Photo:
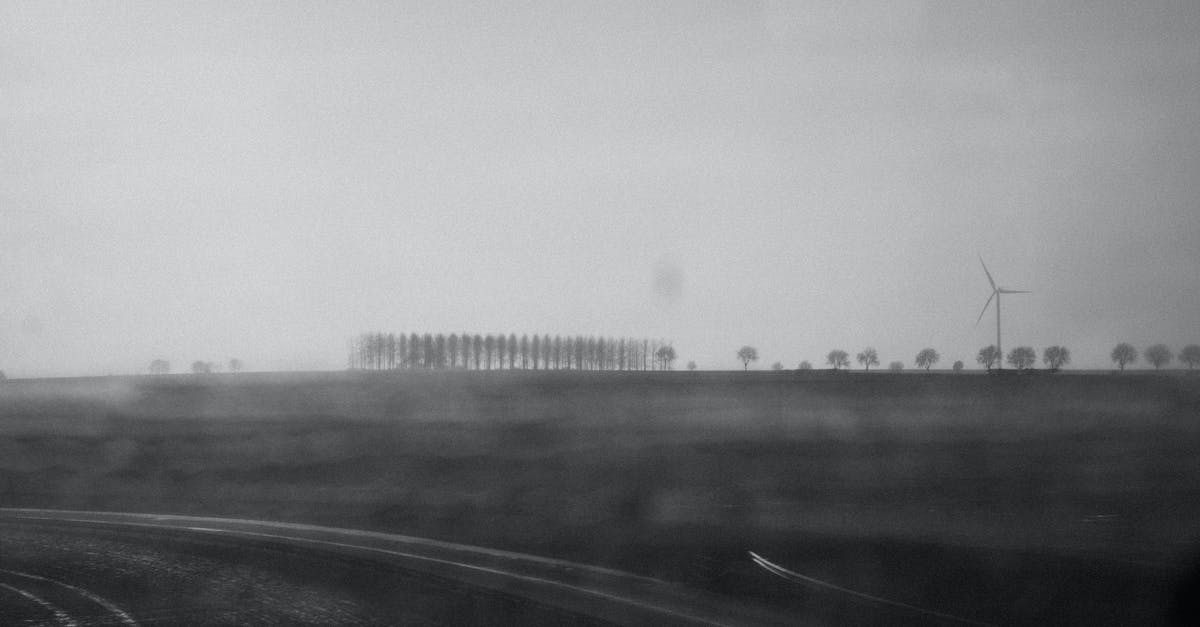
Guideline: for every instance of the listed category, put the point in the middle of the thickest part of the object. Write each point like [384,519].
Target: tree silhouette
[489,349]
[804,365]
[452,348]
[927,358]
[201,367]
[988,356]
[777,366]
[666,356]
[477,349]
[160,366]
[1124,354]
[958,366]
[1159,355]
[691,365]
[415,356]
[838,359]
[1055,357]
[896,366]
[525,351]
[235,365]
[1021,357]
[747,354]
[1190,355]
[868,358]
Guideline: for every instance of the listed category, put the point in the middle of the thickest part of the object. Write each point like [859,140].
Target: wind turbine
[996,292]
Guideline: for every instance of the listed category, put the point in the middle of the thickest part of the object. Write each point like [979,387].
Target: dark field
[1033,499]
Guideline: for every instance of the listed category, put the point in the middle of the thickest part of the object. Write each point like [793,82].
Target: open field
[1014,499]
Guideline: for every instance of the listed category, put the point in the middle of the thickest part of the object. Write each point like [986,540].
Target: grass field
[1009,499]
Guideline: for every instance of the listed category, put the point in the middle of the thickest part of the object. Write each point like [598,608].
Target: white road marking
[62,617]
[125,619]
[784,573]
[414,556]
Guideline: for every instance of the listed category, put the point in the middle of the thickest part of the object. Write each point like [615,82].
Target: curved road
[96,568]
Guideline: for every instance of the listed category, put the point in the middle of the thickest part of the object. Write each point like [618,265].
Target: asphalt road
[91,568]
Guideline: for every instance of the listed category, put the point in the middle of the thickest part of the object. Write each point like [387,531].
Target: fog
[263,181]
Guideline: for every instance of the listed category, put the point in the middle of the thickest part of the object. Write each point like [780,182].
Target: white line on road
[784,573]
[402,554]
[125,619]
[62,617]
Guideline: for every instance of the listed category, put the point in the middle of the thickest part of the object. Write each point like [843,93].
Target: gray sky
[205,181]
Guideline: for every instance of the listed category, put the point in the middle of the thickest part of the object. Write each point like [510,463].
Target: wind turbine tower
[996,292]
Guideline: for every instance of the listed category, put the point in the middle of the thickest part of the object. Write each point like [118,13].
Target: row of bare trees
[1158,355]
[395,351]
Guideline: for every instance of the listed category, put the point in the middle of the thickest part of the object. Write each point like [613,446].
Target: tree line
[428,351]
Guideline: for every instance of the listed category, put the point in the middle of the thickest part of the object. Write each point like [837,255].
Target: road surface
[93,568]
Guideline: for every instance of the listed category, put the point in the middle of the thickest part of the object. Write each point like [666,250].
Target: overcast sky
[262,181]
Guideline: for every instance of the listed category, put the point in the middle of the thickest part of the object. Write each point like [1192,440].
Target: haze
[263,181]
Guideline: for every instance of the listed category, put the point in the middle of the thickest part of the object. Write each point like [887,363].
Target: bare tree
[513,350]
[838,359]
[1159,355]
[489,349]
[1124,354]
[988,356]
[415,357]
[452,348]
[1190,355]
[927,358]
[477,349]
[868,358]
[1055,357]
[1021,357]
[235,365]
[525,351]
[958,366]
[747,354]
[535,350]
[666,356]
[805,365]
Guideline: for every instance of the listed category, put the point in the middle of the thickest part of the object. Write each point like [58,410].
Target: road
[96,568]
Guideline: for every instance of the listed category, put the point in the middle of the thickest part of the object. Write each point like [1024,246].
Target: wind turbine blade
[1004,291]
[989,274]
[985,306]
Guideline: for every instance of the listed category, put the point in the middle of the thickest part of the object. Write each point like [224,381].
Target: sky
[203,181]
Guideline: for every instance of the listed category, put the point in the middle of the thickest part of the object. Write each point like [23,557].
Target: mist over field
[544,313]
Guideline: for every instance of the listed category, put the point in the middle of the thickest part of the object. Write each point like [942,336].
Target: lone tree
[1021,357]
[201,367]
[691,365]
[958,366]
[988,356]
[896,366]
[838,359]
[1056,357]
[235,365]
[1124,354]
[1159,355]
[1190,355]
[777,366]
[804,365]
[868,358]
[747,354]
[927,358]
